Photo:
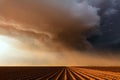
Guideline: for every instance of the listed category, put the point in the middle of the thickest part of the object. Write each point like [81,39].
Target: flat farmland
[59,73]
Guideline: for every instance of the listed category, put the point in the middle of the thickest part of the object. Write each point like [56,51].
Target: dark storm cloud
[109,25]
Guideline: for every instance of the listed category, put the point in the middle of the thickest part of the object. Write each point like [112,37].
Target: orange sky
[44,33]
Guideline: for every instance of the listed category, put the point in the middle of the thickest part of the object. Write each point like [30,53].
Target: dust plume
[68,22]
[49,32]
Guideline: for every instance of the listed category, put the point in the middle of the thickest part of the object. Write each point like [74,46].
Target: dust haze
[51,32]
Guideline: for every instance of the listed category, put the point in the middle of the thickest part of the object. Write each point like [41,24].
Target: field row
[57,73]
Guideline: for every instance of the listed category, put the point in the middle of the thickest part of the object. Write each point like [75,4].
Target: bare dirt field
[59,73]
